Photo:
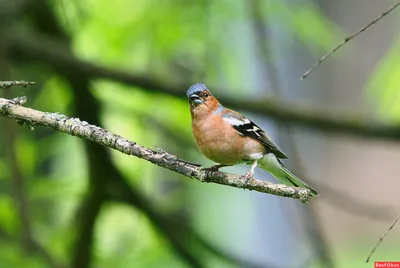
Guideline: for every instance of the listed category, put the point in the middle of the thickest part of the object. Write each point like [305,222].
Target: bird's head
[201,100]
[198,95]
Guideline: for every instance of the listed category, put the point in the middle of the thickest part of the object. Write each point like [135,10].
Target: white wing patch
[234,121]
[255,129]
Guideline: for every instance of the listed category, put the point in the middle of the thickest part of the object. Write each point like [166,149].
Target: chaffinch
[228,138]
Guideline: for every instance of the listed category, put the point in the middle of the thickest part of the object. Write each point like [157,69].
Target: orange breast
[221,143]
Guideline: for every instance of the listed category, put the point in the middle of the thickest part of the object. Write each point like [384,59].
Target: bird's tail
[272,164]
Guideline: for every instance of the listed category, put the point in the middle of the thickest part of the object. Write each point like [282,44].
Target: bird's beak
[195,99]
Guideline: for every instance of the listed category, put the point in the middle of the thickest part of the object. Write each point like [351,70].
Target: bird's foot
[213,169]
[248,177]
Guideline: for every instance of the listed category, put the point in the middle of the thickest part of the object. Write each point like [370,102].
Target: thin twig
[381,239]
[347,39]
[82,129]
[8,84]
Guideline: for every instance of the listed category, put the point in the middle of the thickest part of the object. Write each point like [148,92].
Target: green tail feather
[272,164]
[296,181]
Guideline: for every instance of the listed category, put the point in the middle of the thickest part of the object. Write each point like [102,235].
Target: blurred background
[125,65]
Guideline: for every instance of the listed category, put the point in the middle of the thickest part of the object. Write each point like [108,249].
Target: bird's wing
[247,128]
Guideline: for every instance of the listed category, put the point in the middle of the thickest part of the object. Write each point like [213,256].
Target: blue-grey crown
[196,88]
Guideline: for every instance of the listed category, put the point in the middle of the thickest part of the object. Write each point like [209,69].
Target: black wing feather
[251,130]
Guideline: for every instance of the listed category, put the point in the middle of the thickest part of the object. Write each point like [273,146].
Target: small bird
[228,138]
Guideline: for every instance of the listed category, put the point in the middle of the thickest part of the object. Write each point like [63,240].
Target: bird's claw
[248,177]
[214,168]
[211,169]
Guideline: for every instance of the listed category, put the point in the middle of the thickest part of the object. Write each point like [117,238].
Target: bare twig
[82,129]
[347,39]
[8,84]
[382,237]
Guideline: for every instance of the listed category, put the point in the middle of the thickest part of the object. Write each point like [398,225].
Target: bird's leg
[250,175]
[214,168]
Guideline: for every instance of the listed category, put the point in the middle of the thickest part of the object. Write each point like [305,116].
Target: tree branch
[42,48]
[82,129]
[332,196]
[7,84]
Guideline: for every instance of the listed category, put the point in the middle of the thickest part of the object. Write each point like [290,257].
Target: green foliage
[383,86]
[55,88]
[121,247]
[307,22]
[12,254]
[173,40]
[9,218]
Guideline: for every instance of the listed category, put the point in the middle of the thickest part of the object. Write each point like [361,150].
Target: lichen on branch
[75,127]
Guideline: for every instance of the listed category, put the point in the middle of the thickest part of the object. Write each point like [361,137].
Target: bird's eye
[205,95]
